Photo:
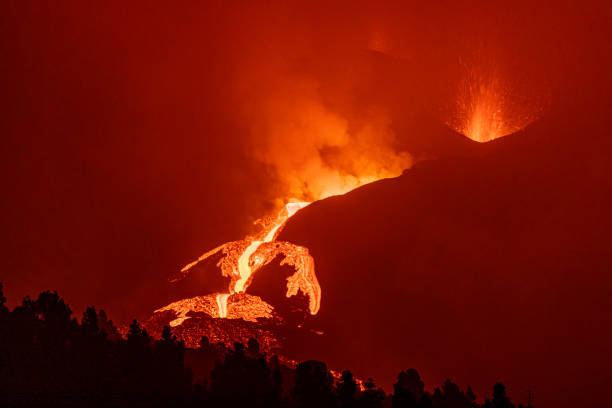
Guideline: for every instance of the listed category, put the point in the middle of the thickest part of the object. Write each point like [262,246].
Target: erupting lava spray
[488,106]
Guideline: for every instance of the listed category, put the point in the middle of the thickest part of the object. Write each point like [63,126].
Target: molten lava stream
[222,304]
[242,259]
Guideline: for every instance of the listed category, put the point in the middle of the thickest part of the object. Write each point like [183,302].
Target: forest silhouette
[49,359]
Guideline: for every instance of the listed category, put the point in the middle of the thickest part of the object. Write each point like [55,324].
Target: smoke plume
[315,150]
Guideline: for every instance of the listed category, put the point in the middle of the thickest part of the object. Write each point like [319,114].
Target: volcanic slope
[494,267]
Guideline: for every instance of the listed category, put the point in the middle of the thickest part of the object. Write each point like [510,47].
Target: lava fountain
[488,106]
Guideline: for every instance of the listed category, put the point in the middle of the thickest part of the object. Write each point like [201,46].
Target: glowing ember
[485,113]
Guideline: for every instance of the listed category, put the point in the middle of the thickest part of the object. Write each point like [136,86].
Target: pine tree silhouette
[408,389]
[3,309]
[347,390]
[244,380]
[500,400]
[314,385]
[371,397]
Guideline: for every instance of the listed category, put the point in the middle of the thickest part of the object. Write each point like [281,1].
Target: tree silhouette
[136,355]
[137,335]
[108,327]
[244,380]
[371,397]
[451,397]
[89,323]
[173,379]
[471,397]
[500,400]
[408,389]
[425,401]
[347,390]
[314,385]
[3,309]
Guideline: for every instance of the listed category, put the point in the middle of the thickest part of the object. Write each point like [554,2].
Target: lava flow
[241,260]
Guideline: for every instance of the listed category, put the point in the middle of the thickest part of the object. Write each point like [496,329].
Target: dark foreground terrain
[49,359]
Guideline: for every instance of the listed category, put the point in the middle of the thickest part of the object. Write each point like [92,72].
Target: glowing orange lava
[222,304]
[488,107]
[242,259]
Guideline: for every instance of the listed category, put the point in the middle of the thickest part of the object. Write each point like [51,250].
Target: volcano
[494,266]
[487,266]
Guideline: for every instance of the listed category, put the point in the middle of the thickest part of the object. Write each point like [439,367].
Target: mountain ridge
[497,260]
